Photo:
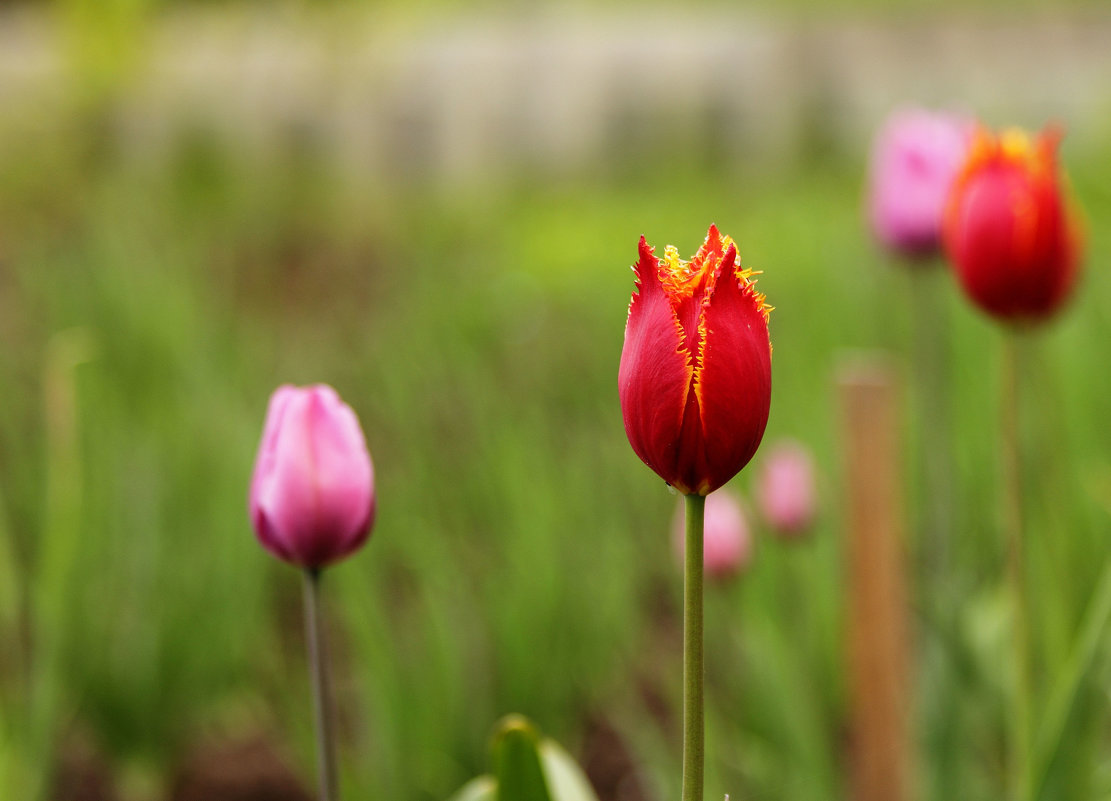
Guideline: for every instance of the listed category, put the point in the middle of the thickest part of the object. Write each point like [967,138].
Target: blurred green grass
[521,559]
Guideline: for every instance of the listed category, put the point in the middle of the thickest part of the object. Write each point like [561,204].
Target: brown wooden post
[878,660]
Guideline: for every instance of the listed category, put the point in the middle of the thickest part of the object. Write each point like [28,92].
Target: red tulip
[695,375]
[1009,231]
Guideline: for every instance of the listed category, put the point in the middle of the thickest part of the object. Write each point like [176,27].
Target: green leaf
[565,777]
[527,768]
[484,788]
[517,768]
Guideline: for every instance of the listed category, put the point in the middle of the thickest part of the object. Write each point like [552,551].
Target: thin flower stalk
[321,688]
[694,756]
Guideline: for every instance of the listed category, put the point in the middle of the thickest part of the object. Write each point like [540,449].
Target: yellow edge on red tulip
[678,274]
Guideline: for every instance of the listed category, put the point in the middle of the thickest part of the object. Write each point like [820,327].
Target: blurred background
[433,206]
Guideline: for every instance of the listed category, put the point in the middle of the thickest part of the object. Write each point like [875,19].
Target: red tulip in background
[1009,231]
[695,374]
[312,496]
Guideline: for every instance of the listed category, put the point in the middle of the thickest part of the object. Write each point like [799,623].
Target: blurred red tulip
[1009,231]
[695,374]
[312,498]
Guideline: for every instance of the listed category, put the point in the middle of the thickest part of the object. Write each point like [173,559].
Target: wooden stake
[877,589]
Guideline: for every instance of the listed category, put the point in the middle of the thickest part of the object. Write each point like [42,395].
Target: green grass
[521,560]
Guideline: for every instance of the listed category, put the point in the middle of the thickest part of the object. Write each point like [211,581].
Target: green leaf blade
[517,768]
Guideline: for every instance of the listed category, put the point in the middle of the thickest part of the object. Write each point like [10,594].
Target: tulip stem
[693,726]
[321,694]
[1021,733]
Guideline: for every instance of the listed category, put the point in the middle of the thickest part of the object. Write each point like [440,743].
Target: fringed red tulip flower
[695,384]
[1013,239]
[695,375]
[1009,231]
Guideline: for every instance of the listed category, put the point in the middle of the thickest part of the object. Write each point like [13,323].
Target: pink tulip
[726,541]
[785,488]
[915,159]
[312,494]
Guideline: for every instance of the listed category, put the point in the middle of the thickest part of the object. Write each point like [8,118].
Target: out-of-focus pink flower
[785,488]
[915,159]
[726,542]
[312,499]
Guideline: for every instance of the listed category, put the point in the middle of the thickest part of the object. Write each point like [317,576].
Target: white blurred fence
[463,97]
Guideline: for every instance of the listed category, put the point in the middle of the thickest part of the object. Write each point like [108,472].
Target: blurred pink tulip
[915,158]
[312,496]
[785,488]
[726,542]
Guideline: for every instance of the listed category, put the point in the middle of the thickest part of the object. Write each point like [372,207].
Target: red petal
[733,385]
[1010,243]
[1009,233]
[655,373]
[711,248]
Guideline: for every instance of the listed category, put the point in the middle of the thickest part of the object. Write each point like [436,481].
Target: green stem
[693,726]
[321,694]
[1021,739]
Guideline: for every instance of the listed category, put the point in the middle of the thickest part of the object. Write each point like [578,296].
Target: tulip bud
[695,374]
[785,488]
[915,159]
[1009,231]
[312,496]
[726,539]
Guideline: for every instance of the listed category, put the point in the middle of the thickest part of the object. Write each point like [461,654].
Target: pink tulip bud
[915,159]
[726,542]
[312,493]
[785,488]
